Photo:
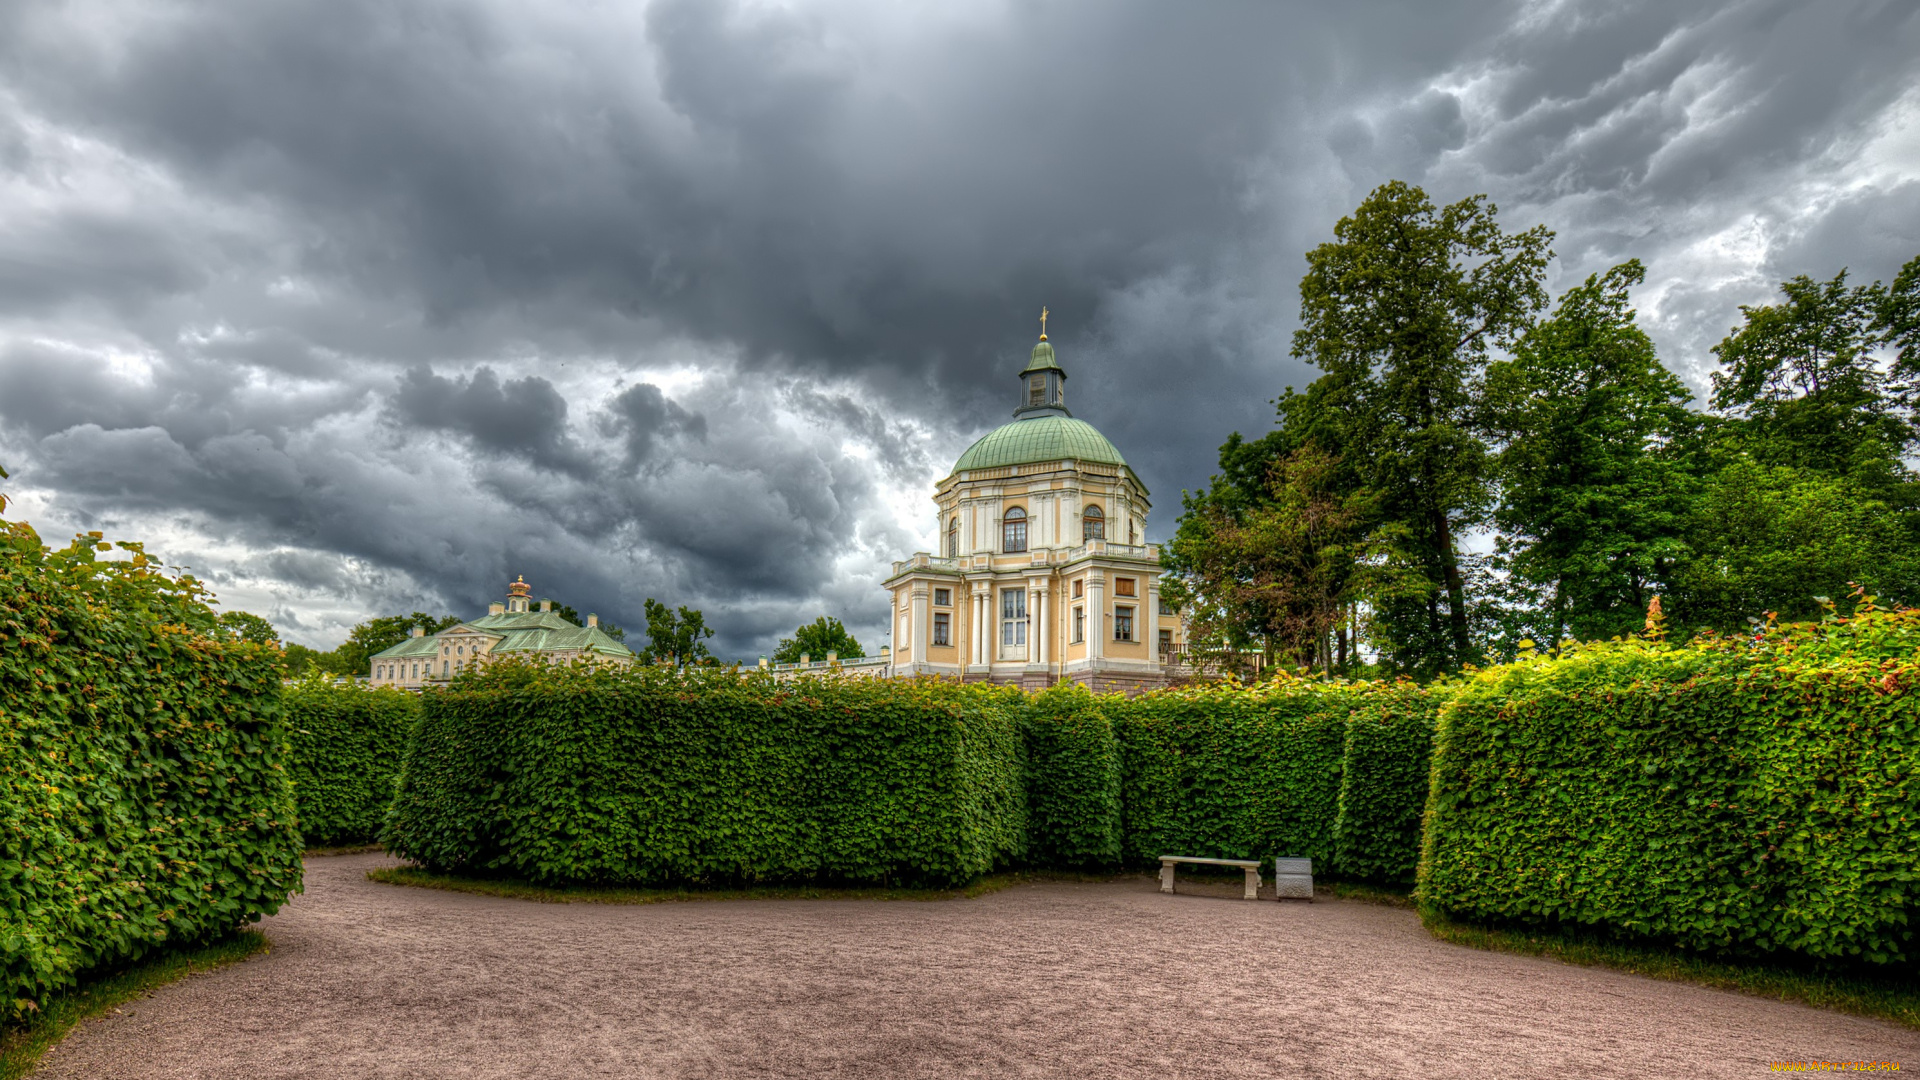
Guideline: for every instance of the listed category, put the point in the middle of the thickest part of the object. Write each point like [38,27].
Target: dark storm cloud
[520,416]
[643,417]
[689,299]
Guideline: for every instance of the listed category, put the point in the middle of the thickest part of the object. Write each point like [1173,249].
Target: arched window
[1013,531]
[1093,524]
[953,538]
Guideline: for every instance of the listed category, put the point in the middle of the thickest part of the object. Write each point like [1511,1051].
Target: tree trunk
[1456,589]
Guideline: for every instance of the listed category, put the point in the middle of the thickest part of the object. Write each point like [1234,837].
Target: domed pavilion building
[1044,572]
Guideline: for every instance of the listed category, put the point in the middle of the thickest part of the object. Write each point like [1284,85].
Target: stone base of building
[1129,683]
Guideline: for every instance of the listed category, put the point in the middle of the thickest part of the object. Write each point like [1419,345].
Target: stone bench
[1293,879]
[1251,866]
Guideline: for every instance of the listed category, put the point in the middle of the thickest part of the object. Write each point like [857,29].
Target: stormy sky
[366,307]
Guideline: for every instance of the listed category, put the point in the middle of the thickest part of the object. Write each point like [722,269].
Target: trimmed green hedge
[144,798]
[347,744]
[1232,772]
[642,776]
[1729,797]
[1073,780]
[1383,781]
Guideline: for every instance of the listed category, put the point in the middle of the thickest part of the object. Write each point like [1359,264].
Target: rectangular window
[1166,608]
[941,635]
[1077,583]
[1123,624]
[1013,617]
[1079,625]
[942,598]
[1123,586]
[1166,642]
[1036,390]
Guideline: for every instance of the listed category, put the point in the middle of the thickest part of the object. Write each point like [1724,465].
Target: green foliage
[1400,311]
[680,638]
[650,775]
[346,746]
[1383,781]
[1803,374]
[249,627]
[1591,511]
[1773,538]
[1232,772]
[1744,796]
[815,640]
[1072,780]
[144,799]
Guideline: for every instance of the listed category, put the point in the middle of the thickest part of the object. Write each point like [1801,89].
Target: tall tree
[1592,507]
[678,637]
[1399,311]
[247,626]
[1282,575]
[815,640]
[1803,377]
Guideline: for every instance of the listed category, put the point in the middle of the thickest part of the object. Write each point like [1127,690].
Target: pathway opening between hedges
[1043,979]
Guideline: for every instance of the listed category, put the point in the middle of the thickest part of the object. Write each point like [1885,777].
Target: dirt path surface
[1052,979]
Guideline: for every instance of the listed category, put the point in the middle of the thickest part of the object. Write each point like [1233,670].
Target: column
[1096,615]
[922,625]
[1152,619]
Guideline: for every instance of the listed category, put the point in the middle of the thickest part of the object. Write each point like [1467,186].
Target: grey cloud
[643,416]
[240,240]
[520,416]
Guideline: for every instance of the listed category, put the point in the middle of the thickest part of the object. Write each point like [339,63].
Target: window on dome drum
[941,633]
[1079,624]
[942,598]
[1013,617]
[1036,390]
[1123,586]
[1093,524]
[1013,531]
[1123,624]
[953,539]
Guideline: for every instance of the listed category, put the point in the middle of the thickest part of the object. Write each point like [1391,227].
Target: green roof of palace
[1042,360]
[531,631]
[1039,438]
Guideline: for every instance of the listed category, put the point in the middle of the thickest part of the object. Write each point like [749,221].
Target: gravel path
[1052,979]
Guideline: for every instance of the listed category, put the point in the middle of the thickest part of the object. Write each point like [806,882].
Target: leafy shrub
[1383,781]
[346,747]
[1736,797]
[1232,772]
[1073,780]
[143,792]
[649,775]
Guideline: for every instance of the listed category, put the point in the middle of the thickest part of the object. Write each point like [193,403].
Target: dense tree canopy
[1449,407]
[815,640]
[676,637]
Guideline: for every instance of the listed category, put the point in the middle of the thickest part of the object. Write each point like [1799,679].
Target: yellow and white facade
[1044,572]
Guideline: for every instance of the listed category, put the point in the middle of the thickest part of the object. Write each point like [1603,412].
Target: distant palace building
[507,629]
[1044,572]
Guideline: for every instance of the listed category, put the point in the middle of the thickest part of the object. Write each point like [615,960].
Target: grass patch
[1882,996]
[23,1044]
[590,894]
[1373,894]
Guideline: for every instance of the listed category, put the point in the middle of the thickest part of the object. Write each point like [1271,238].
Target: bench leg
[1166,877]
[1253,885]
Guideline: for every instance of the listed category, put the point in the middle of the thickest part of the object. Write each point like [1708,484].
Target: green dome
[1039,438]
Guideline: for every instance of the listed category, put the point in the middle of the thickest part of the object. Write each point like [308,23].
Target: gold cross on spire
[1043,324]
